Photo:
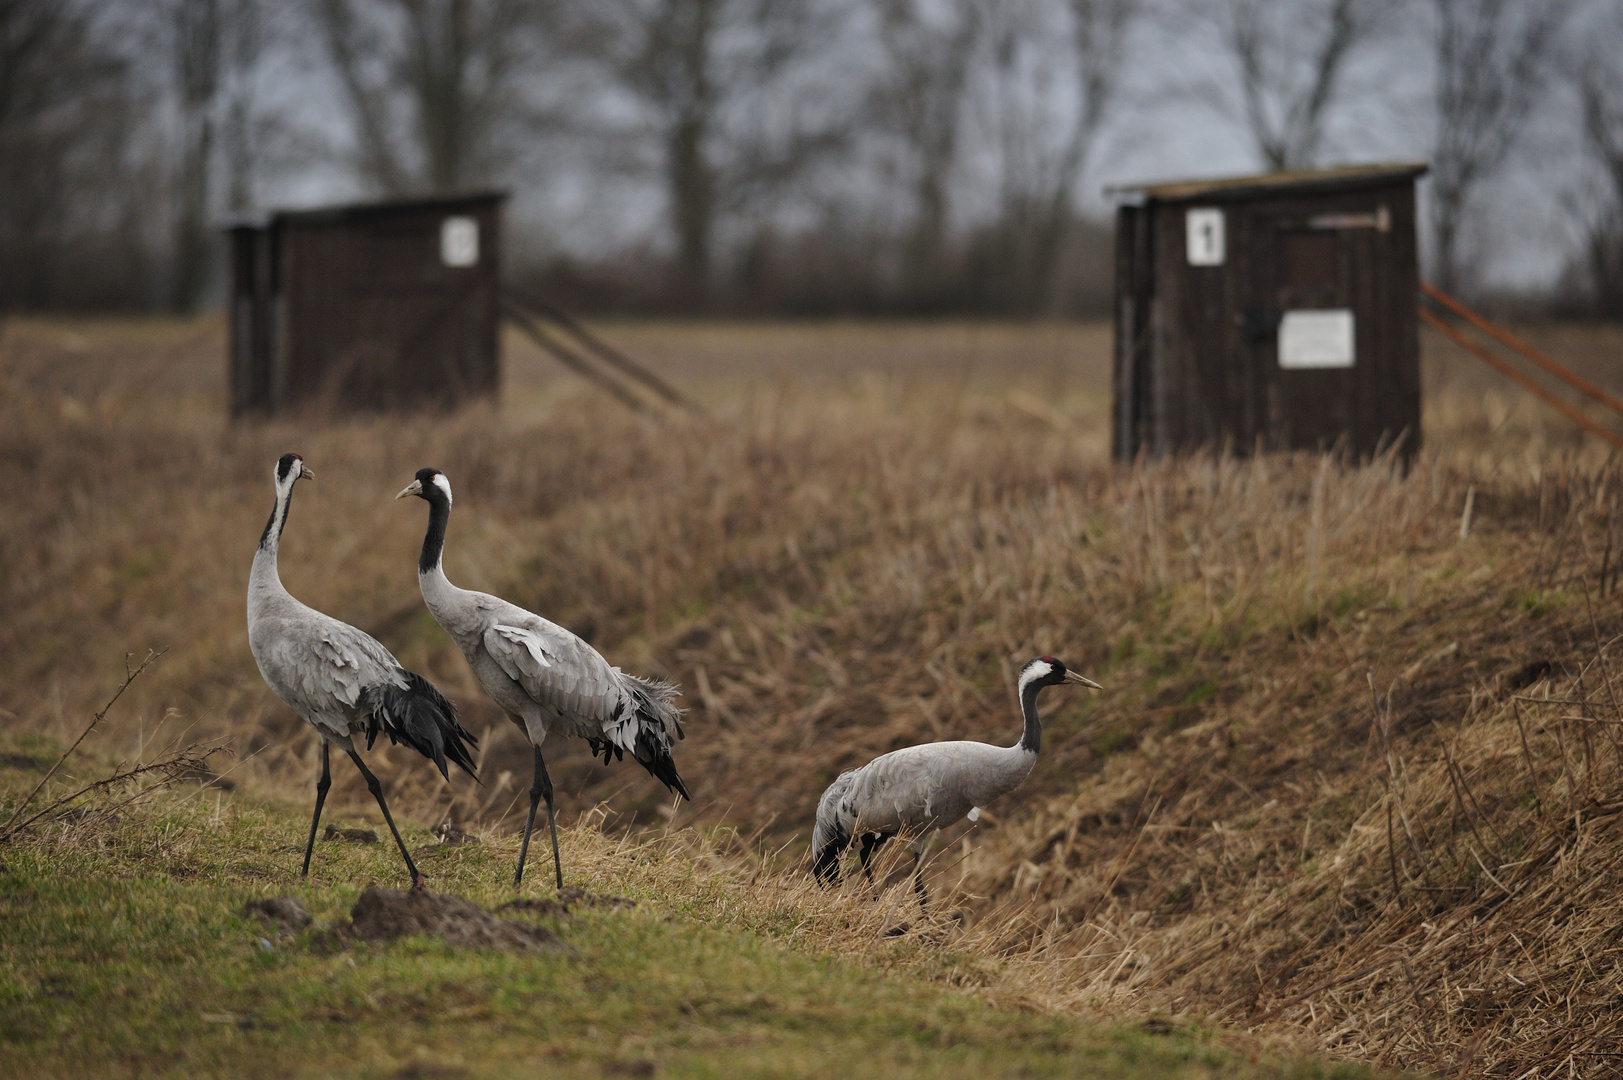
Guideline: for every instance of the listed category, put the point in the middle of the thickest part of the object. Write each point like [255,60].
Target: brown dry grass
[855,552]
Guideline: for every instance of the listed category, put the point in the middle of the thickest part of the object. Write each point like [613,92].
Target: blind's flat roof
[375,208]
[1345,176]
[409,204]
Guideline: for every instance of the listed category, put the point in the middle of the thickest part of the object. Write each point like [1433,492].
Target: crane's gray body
[544,677]
[918,788]
[320,667]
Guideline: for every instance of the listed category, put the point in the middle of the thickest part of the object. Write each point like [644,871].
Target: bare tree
[1290,58]
[1493,61]
[65,100]
[709,79]
[1600,89]
[194,33]
[433,86]
[675,71]
[247,33]
[1043,155]
[919,100]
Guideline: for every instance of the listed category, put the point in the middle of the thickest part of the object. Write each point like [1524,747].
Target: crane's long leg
[540,788]
[321,796]
[871,842]
[376,789]
[918,877]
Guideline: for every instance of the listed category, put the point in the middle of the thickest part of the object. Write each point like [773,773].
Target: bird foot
[418,881]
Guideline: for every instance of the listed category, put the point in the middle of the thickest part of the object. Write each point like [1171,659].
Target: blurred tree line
[773,156]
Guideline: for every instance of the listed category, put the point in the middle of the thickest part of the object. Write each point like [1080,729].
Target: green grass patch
[1535,603]
[1114,740]
[125,953]
[1201,693]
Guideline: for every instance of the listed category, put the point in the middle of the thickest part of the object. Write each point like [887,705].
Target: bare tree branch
[430,85]
[1085,42]
[1290,58]
[195,32]
[919,99]
[701,70]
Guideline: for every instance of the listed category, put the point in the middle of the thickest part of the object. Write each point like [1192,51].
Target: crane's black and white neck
[290,469]
[434,488]
[1034,675]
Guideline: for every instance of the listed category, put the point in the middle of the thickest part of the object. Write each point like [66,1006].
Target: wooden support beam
[579,365]
[603,349]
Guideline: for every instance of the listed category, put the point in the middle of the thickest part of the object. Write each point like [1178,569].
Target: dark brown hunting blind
[373,306]
[1274,312]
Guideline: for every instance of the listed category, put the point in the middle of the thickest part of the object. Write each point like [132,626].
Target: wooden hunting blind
[1274,312]
[373,306]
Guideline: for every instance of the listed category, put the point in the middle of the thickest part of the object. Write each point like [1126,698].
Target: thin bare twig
[176,767]
[129,677]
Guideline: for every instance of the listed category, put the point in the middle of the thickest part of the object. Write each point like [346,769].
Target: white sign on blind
[1205,236]
[1316,339]
[459,241]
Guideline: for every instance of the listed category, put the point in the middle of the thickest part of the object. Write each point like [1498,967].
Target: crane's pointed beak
[413,488]
[1071,676]
[305,473]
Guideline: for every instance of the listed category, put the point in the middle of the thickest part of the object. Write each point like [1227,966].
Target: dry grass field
[1355,781]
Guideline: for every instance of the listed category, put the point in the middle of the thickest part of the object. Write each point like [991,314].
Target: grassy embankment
[855,551]
[126,953]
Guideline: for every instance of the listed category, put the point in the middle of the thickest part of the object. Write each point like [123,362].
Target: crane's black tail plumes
[419,716]
[656,719]
[826,859]
[830,836]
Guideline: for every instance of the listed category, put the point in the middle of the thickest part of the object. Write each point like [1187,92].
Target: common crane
[919,788]
[544,677]
[340,680]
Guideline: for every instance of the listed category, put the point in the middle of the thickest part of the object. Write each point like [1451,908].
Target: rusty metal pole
[1522,380]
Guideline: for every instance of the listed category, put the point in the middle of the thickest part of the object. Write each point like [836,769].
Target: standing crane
[919,788]
[339,680]
[544,677]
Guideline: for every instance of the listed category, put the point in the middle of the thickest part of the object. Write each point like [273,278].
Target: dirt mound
[354,836]
[282,914]
[386,914]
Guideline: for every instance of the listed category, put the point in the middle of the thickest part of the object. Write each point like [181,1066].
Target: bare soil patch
[388,915]
[281,914]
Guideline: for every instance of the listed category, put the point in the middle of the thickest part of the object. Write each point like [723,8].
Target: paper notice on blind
[1316,339]
[1203,227]
[459,241]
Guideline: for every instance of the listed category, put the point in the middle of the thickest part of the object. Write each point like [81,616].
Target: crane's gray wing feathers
[895,791]
[558,670]
[340,679]
[918,787]
[327,668]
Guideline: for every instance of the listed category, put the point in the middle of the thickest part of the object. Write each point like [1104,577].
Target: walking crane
[544,677]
